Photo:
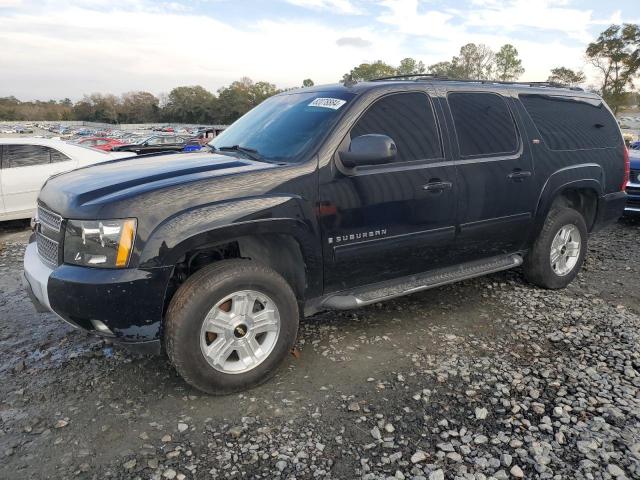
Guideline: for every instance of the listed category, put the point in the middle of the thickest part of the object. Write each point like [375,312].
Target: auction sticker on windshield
[332,103]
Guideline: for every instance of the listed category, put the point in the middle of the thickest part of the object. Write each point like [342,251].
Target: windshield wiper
[252,153]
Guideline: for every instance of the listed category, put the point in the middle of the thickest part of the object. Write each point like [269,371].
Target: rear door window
[572,123]
[483,123]
[408,119]
[24,156]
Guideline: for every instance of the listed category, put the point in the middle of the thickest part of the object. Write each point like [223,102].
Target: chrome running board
[379,292]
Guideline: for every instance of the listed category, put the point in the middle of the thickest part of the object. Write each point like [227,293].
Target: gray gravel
[488,379]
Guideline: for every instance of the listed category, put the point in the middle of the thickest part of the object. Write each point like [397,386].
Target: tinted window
[568,123]
[24,156]
[286,126]
[57,156]
[408,119]
[483,124]
[155,141]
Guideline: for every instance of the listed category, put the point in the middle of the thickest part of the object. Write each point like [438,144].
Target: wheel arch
[579,187]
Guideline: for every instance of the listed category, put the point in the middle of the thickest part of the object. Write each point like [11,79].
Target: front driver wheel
[558,253]
[230,325]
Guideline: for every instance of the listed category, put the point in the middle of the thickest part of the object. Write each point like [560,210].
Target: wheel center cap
[563,250]
[240,331]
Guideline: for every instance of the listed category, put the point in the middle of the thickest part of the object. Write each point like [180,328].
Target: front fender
[224,221]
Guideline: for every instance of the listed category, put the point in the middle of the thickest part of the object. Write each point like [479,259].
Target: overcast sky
[57,49]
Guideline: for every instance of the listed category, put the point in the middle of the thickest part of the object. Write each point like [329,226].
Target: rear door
[387,221]
[495,173]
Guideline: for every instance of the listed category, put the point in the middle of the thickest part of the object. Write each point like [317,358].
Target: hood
[83,192]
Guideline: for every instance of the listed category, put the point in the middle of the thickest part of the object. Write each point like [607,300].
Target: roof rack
[427,76]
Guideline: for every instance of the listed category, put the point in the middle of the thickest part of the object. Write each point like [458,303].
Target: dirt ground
[439,384]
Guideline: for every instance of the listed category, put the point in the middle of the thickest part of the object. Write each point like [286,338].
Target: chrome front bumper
[36,278]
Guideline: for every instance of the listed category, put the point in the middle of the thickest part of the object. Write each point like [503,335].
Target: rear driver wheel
[558,253]
[230,325]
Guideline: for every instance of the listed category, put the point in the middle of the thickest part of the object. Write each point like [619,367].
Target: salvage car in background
[633,187]
[154,144]
[101,143]
[26,163]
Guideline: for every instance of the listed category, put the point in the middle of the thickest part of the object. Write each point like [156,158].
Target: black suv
[329,197]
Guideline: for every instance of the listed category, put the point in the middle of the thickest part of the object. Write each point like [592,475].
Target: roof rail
[427,76]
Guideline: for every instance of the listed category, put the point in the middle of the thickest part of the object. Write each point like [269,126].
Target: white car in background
[26,163]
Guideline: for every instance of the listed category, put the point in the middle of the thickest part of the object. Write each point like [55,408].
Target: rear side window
[408,119]
[24,156]
[484,125]
[571,123]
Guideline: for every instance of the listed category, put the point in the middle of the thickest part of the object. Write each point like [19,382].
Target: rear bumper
[610,208]
[124,304]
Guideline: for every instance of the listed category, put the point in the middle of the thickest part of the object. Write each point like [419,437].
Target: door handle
[519,175]
[437,186]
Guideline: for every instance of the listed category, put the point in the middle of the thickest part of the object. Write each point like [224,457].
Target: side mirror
[371,149]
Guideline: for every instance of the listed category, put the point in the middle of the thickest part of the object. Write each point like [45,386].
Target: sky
[57,49]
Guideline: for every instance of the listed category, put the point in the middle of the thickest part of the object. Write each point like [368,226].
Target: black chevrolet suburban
[322,198]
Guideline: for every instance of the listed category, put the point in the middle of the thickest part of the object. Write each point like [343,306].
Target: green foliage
[409,66]
[616,56]
[566,76]
[307,82]
[192,104]
[369,71]
[508,66]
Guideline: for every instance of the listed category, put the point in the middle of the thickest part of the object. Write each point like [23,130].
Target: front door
[392,220]
[495,173]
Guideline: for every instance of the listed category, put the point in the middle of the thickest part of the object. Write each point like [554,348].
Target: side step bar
[379,292]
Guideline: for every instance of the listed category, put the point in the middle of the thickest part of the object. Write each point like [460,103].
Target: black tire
[537,264]
[195,298]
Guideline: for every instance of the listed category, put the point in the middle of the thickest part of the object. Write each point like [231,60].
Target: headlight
[101,243]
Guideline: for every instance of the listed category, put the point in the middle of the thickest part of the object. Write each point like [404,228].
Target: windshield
[285,126]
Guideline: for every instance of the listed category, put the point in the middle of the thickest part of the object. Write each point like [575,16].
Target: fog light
[101,327]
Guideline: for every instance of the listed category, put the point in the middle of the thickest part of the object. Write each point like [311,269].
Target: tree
[616,56]
[192,104]
[409,66]
[138,107]
[369,71]
[240,97]
[566,76]
[508,66]
[307,82]
[475,62]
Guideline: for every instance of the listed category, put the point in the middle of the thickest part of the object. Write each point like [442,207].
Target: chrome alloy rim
[565,250]
[240,331]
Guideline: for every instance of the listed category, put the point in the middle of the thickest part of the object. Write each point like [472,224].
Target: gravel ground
[486,379]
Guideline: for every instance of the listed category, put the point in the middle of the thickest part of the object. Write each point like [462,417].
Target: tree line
[615,55]
[187,104]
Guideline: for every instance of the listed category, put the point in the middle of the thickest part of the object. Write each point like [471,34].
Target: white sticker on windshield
[332,103]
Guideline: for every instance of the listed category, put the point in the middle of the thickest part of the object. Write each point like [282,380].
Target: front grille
[50,219]
[48,250]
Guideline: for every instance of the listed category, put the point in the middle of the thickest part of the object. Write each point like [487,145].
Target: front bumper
[125,304]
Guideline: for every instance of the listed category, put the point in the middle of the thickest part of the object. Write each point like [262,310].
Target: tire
[539,268]
[209,292]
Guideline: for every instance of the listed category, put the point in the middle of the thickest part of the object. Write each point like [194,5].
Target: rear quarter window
[572,123]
